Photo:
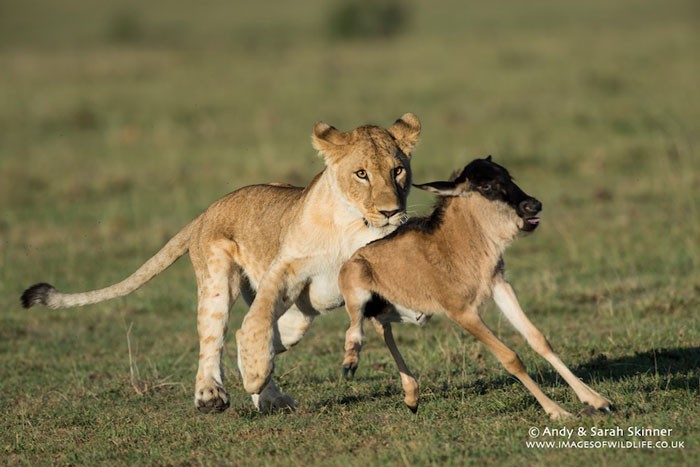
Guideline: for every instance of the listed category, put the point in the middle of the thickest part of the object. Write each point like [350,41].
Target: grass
[119,125]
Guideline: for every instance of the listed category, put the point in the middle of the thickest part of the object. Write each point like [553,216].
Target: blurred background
[120,121]
[120,116]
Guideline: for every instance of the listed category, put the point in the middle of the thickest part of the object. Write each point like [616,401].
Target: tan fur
[311,263]
[285,244]
[449,270]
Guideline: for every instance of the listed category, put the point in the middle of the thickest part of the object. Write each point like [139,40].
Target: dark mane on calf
[430,222]
[427,224]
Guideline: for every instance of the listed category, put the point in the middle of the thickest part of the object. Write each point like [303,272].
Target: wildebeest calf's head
[492,181]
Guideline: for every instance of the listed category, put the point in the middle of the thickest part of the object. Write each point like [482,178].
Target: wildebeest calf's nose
[531,206]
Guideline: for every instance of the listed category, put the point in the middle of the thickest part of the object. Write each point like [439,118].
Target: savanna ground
[119,123]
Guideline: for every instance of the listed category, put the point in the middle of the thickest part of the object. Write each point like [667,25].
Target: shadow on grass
[678,363]
[678,367]
[386,392]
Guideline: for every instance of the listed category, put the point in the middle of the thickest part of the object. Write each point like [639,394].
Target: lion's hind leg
[218,281]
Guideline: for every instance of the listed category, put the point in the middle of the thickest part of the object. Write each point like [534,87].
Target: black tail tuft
[37,294]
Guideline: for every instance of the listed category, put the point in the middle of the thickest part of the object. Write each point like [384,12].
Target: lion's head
[371,166]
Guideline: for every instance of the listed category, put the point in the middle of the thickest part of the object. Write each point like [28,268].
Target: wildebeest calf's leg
[356,292]
[470,320]
[505,298]
[354,337]
[408,381]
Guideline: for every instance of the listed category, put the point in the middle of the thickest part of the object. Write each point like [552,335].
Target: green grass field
[119,123]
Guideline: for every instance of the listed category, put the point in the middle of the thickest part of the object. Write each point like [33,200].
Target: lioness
[279,237]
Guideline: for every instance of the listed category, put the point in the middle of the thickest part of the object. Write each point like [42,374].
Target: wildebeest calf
[449,263]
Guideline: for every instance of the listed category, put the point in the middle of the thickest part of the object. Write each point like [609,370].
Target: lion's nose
[388,214]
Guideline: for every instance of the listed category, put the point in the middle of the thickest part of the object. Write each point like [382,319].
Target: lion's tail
[46,294]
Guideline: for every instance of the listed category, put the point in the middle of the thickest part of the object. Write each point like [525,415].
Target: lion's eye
[362,173]
[398,171]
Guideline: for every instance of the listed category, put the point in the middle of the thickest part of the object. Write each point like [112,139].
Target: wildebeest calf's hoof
[589,410]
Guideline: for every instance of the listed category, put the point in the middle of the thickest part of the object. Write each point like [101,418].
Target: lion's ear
[329,141]
[406,132]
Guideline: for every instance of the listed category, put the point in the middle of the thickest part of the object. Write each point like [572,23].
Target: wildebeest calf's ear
[443,188]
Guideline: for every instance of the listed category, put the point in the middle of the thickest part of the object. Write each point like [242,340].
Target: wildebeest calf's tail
[46,294]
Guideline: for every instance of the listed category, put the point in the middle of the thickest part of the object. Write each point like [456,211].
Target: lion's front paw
[255,357]
[211,399]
